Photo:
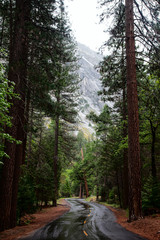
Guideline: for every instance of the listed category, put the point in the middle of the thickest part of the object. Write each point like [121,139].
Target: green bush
[26,197]
[66,189]
[151,196]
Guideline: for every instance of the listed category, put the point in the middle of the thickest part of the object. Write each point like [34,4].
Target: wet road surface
[85,220]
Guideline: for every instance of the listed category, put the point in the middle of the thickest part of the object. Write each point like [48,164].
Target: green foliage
[26,196]
[6,94]
[66,189]
[40,163]
[43,182]
[66,184]
[151,196]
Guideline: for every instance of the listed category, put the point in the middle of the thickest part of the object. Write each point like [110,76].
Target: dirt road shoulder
[37,220]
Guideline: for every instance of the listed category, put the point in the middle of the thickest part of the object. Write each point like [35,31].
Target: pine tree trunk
[134,164]
[17,74]
[23,17]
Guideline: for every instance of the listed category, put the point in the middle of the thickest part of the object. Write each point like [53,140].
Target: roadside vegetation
[43,154]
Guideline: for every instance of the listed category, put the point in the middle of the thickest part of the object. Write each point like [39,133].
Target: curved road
[85,220]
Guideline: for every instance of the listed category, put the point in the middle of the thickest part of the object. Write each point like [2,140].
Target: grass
[90,199]
[93,198]
[114,205]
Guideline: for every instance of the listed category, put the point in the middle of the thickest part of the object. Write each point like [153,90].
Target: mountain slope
[90,85]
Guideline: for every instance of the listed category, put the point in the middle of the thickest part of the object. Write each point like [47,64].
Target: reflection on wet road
[84,221]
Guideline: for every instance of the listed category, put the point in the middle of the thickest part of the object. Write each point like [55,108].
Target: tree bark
[17,74]
[134,164]
[23,17]
[125,186]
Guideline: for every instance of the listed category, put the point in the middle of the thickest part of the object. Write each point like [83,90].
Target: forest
[43,154]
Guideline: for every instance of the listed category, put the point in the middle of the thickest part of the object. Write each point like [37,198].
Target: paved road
[84,221]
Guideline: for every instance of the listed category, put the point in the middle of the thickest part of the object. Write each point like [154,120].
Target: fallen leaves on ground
[35,221]
[147,227]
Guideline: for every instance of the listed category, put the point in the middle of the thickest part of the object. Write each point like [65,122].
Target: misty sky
[84,20]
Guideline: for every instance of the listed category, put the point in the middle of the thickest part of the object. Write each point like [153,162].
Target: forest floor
[34,221]
[148,227]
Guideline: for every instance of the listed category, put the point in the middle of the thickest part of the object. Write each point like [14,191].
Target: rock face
[89,86]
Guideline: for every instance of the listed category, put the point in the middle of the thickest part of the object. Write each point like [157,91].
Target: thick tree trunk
[134,164]
[17,74]
[24,12]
